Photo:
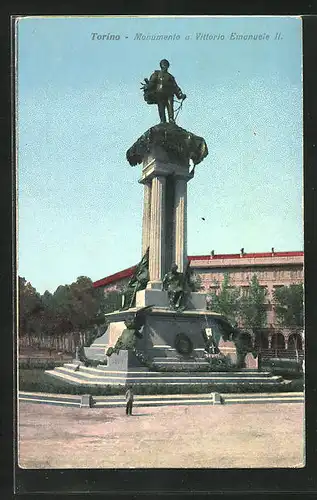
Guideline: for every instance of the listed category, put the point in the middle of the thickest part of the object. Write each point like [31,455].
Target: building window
[278,341]
[295,342]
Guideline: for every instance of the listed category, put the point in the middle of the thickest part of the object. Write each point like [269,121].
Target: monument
[164,329]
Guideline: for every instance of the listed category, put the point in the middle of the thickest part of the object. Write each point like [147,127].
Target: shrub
[38,363]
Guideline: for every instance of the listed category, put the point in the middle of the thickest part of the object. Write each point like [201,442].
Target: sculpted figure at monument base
[178,286]
[138,281]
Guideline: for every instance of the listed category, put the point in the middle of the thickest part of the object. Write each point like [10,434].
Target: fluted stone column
[180,225]
[146,223]
[157,232]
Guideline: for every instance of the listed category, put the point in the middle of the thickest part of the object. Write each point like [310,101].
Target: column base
[159,298]
[155,285]
[150,297]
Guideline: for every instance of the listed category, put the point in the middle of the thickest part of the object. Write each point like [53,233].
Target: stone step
[73,378]
[162,399]
[91,373]
[229,396]
[84,377]
[87,369]
[79,374]
[104,371]
[202,400]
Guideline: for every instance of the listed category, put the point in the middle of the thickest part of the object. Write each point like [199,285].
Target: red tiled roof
[127,273]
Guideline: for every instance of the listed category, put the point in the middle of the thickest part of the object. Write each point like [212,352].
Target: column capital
[145,182]
[170,142]
[182,176]
[155,167]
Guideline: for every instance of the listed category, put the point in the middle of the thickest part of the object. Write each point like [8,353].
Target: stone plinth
[86,401]
[197,301]
[150,297]
[160,331]
[228,349]
[122,361]
[159,298]
[251,362]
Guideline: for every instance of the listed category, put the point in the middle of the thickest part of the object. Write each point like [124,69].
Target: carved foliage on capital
[180,145]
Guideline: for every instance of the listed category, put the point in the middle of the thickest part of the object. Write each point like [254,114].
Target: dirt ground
[251,435]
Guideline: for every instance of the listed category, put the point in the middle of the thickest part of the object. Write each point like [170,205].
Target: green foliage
[39,363]
[252,306]
[39,381]
[195,282]
[287,368]
[249,308]
[289,305]
[111,301]
[30,308]
[227,300]
[74,308]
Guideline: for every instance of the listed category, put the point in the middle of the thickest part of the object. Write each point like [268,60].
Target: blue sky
[80,108]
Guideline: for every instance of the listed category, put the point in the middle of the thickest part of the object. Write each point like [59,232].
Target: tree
[111,301]
[253,306]
[66,316]
[226,300]
[30,308]
[195,282]
[76,309]
[288,305]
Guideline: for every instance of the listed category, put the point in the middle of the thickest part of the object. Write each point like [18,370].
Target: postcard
[160,242]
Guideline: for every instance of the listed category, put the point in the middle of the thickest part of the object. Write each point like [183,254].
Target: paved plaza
[253,435]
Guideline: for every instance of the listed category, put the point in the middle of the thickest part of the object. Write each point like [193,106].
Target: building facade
[273,270]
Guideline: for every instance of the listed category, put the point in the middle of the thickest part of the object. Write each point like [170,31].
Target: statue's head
[174,268]
[164,64]
[129,323]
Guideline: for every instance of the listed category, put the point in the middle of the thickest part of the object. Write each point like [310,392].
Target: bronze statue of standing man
[160,89]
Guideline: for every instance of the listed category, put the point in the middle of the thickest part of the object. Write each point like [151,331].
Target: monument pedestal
[161,332]
[159,298]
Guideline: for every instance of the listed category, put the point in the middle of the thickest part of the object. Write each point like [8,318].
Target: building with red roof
[273,269]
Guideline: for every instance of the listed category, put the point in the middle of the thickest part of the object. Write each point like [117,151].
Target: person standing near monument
[160,89]
[129,396]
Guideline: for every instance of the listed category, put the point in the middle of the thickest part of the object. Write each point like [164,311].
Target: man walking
[129,400]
